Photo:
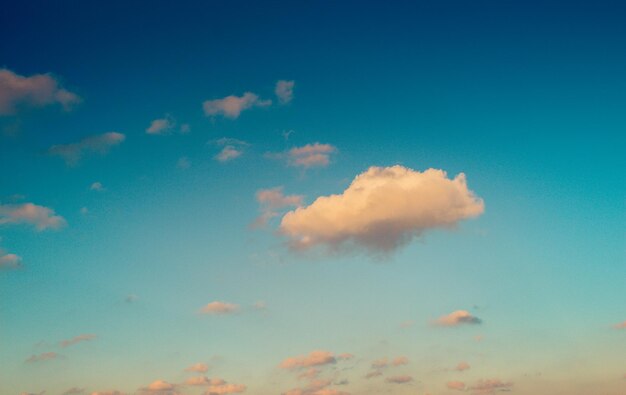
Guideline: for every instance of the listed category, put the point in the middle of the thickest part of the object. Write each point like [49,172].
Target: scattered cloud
[131,298]
[84,210]
[77,339]
[316,387]
[215,386]
[382,209]
[160,387]
[36,91]
[271,200]
[74,152]
[232,106]
[46,356]
[198,368]
[231,149]
[260,305]
[621,325]
[375,373]
[97,186]
[167,125]
[114,392]
[74,391]
[462,366]
[456,318]
[314,358]
[220,308]
[183,163]
[9,261]
[40,217]
[456,385]
[399,379]
[284,91]
[484,387]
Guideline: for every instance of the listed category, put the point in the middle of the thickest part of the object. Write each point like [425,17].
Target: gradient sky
[159,169]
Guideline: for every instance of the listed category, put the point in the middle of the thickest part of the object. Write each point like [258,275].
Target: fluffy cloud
[217,386]
[316,387]
[456,385]
[77,339]
[456,318]
[462,366]
[160,387]
[232,106]
[198,368]
[38,90]
[315,358]
[382,209]
[399,379]
[232,149]
[270,201]
[100,144]
[46,356]
[219,308]
[40,217]
[284,91]
[9,261]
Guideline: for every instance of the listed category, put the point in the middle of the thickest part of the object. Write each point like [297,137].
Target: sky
[312,198]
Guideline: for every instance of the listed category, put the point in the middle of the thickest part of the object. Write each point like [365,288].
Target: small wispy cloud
[9,261]
[198,368]
[399,379]
[314,358]
[284,91]
[46,356]
[77,339]
[97,186]
[99,144]
[231,149]
[167,125]
[270,201]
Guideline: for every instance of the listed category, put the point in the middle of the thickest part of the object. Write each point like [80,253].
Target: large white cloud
[38,90]
[382,209]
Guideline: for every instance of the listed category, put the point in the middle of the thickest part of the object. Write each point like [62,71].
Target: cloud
[399,379]
[226,388]
[183,163]
[9,261]
[40,217]
[46,356]
[315,358]
[382,209]
[161,126]
[316,387]
[232,106]
[270,201]
[456,318]
[77,339]
[131,298]
[621,325]
[160,387]
[220,308]
[114,392]
[198,368]
[310,155]
[456,385]
[490,387]
[97,186]
[462,366]
[100,144]
[374,373]
[74,391]
[399,361]
[39,90]
[284,91]
[232,149]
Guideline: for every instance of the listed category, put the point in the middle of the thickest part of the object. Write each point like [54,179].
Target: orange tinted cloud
[219,308]
[456,318]
[314,358]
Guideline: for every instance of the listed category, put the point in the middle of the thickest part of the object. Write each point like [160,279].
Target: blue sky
[133,240]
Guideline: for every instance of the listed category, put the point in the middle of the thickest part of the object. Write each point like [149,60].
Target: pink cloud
[621,325]
[232,106]
[38,90]
[456,318]
[9,261]
[462,366]
[399,379]
[456,385]
[40,217]
[198,367]
[77,339]
[315,358]
[310,155]
[218,308]
[382,209]
[490,386]
[46,356]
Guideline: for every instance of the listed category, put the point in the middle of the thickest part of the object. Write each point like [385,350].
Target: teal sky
[160,169]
